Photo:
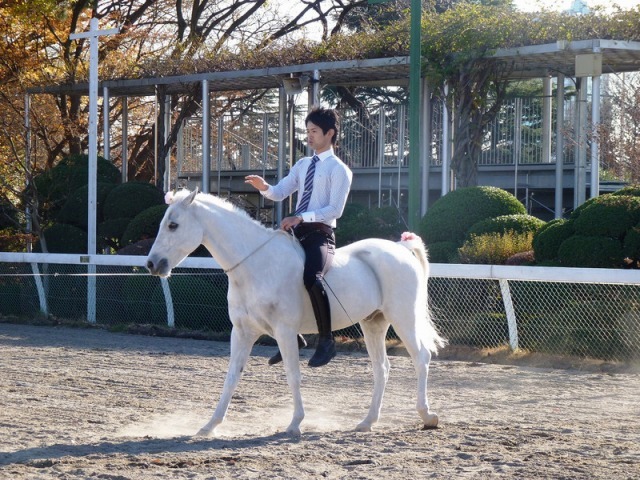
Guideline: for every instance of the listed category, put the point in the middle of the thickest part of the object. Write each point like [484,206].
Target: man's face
[317,140]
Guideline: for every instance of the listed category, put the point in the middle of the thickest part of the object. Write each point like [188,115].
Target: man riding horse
[322,182]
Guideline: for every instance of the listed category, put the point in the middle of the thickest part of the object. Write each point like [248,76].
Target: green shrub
[129,199]
[461,325]
[518,223]
[548,239]
[451,216]
[111,231]
[564,331]
[631,246]
[494,248]
[75,210]
[10,293]
[143,300]
[443,252]
[489,330]
[591,252]
[63,238]
[67,290]
[56,184]
[358,222]
[632,190]
[144,225]
[608,215]
[578,211]
[200,303]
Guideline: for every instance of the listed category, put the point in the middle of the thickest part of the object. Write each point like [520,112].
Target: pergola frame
[562,59]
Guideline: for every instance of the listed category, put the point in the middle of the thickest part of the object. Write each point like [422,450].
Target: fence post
[511,314]
[91,293]
[40,288]
[171,322]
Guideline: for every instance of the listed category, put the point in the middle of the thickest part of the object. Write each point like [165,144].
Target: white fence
[584,312]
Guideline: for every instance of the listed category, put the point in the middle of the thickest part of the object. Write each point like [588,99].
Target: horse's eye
[173,226]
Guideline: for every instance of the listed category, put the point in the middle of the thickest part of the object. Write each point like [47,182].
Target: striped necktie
[308,187]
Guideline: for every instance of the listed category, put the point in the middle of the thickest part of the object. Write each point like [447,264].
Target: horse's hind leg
[411,330]
[375,331]
[241,344]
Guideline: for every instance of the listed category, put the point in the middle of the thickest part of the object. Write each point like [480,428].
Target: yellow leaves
[494,248]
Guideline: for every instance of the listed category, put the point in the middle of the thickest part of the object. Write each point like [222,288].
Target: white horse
[378,283]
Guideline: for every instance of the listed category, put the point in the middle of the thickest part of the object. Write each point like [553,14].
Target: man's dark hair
[326,119]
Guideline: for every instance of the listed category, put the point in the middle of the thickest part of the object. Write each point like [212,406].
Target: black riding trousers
[319,244]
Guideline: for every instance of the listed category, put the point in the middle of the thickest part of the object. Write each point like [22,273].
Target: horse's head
[179,234]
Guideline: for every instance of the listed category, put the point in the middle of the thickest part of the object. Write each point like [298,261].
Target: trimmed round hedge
[144,225]
[129,199]
[111,231]
[359,222]
[548,239]
[518,224]
[443,252]
[63,238]
[591,252]
[632,190]
[608,215]
[75,210]
[69,174]
[631,245]
[451,216]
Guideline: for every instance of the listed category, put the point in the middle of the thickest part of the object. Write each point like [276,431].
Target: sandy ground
[86,403]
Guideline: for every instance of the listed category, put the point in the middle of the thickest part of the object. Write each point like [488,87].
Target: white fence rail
[584,312]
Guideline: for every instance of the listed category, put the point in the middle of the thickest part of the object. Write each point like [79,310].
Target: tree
[458,45]
[157,38]
[619,131]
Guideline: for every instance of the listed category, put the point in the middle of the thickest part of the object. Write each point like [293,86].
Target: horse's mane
[214,202]
[217,202]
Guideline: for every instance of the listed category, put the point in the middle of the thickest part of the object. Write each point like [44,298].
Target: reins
[324,280]
[251,253]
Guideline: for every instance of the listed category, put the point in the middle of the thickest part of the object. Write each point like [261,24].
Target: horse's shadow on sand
[141,446]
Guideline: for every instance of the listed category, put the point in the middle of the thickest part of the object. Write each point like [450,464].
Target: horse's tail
[416,246]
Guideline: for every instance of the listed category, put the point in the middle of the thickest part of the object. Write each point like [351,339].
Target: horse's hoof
[294,431]
[363,427]
[430,421]
[205,432]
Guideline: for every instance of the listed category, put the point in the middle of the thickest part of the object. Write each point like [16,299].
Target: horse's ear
[187,201]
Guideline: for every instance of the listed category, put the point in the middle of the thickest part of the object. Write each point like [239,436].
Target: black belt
[307,227]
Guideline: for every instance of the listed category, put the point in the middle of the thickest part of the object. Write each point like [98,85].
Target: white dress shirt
[331,184]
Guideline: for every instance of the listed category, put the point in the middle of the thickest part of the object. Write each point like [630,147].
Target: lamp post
[415,55]
[93,35]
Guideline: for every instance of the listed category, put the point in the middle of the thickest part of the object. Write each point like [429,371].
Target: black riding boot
[277,358]
[326,348]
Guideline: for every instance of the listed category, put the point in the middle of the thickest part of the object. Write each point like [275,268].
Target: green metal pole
[414,115]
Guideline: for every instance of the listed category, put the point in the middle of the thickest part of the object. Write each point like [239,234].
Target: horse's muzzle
[159,268]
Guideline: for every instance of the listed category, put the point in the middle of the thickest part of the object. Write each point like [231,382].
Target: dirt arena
[86,403]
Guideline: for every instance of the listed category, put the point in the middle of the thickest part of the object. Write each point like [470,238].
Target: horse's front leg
[288,344]
[241,344]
